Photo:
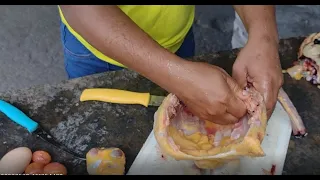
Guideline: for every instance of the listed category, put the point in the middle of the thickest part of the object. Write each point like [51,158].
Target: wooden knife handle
[115,96]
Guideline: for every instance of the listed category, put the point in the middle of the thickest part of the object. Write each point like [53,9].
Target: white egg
[15,161]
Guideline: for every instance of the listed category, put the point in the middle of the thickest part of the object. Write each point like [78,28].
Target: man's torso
[166,24]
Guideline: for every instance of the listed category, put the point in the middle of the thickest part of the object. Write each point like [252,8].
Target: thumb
[239,74]
[235,104]
[225,119]
[237,90]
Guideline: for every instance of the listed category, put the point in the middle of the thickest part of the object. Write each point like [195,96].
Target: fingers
[235,104]
[270,95]
[271,98]
[240,76]
[270,111]
[234,85]
[236,107]
[224,119]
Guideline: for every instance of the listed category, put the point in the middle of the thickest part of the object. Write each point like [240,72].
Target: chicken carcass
[184,136]
[307,65]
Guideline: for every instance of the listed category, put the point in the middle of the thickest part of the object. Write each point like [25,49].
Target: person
[154,41]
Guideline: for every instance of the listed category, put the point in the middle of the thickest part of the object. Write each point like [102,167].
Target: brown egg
[34,168]
[55,168]
[41,157]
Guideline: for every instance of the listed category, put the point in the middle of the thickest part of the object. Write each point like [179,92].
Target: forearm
[114,34]
[259,21]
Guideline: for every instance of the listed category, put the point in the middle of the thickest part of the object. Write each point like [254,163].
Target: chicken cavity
[307,68]
[208,134]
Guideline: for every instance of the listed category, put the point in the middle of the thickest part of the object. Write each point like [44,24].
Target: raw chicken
[186,137]
[307,65]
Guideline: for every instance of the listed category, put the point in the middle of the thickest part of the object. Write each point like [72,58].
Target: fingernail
[245,93]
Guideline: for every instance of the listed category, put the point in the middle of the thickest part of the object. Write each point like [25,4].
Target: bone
[298,127]
[295,72]
[217,138]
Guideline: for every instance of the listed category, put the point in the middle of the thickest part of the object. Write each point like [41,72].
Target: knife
[120,97]
[32,126]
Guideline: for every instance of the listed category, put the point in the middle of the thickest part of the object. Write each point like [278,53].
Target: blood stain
[163,157]
[273,169]
[210,130]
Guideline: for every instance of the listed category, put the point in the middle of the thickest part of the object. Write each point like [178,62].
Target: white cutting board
[150,160]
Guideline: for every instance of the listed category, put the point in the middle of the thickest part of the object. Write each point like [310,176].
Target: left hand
[259,63]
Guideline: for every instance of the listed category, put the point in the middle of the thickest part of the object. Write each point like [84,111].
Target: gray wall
[30,47]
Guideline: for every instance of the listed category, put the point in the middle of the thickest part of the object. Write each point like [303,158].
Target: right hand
[210,93]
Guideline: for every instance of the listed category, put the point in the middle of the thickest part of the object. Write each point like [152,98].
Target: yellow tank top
[166,24]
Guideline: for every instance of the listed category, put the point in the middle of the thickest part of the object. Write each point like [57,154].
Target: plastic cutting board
[150,160]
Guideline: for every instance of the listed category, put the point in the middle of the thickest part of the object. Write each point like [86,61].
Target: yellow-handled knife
[120,97]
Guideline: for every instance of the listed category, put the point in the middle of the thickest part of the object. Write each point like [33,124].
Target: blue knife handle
[18,116]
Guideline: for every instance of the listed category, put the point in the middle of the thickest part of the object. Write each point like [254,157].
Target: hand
[211,94]
[258,63]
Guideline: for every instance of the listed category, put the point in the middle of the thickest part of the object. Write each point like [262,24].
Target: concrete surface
[31,52]
[80,126]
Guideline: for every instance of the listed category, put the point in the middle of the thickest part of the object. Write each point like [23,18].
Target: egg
[55,168]
[34,168]
[15,161]
[105,161]
[41,157]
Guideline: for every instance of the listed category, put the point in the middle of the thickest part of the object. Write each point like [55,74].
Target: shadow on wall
[214,25]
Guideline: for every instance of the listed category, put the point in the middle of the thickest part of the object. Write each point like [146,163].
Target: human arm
[259,21]
[258,62]
[114,34]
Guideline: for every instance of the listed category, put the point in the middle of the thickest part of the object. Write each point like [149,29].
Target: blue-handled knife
[23,120]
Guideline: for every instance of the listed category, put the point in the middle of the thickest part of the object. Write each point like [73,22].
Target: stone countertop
[81,126]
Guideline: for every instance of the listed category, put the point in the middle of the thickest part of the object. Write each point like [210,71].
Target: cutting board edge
[283,146]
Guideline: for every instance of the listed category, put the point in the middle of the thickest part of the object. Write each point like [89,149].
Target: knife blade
[121,97]
[32,126]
